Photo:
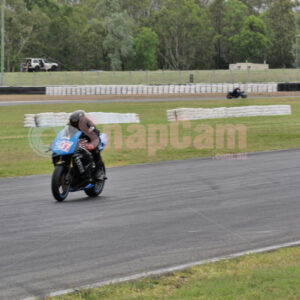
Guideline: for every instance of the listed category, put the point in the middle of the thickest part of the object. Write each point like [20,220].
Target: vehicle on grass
[66,176]
[38,64]
[236,93]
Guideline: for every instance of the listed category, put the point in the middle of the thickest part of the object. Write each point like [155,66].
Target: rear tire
[60,189]
[37,69]
[97,189]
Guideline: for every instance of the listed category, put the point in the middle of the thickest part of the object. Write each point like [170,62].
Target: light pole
[297,60]
[2,42]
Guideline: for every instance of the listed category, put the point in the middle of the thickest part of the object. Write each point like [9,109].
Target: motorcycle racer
[90,142]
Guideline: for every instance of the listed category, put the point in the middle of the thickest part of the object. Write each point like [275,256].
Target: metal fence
[150,77]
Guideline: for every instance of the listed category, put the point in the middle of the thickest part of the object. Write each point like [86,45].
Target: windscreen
[68,132]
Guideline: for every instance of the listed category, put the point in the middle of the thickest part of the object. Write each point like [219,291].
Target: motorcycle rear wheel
[97,189]
[60,189]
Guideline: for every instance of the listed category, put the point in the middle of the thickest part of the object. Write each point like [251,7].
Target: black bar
[28,90]
[288,87]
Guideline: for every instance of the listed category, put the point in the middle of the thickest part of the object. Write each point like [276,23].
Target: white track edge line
[168,270]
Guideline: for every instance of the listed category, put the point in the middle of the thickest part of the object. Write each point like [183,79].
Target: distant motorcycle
[236,93]
[66,176]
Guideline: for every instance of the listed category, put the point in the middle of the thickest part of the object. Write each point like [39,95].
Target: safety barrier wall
[288,87]
[12,90]
[51,119]
[157,89]
[227,112]
[200,88]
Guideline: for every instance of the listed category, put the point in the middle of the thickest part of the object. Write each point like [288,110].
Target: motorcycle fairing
[63,145]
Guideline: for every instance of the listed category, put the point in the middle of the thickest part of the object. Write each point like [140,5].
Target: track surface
[16,103]
[134,99]
[149,217]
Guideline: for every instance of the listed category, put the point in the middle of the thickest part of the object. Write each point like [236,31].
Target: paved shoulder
[149,216]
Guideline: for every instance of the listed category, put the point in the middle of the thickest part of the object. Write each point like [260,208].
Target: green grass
[263,133]
[267,276]
[148,77]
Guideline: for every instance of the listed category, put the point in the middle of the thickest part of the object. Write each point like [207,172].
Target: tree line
[151,34]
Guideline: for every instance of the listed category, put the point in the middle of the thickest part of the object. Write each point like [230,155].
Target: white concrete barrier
[227,112]
[50,119]
[159,89]
[29,120]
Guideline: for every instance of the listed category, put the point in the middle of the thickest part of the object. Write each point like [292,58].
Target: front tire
[60,189]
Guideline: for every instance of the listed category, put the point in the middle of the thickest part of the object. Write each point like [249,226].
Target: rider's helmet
[75,117]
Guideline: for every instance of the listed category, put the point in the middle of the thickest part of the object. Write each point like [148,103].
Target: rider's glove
[89,147]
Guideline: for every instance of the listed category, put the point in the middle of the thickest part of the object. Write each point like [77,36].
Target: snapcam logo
[38,140]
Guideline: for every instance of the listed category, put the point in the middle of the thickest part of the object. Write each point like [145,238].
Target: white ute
[39,64]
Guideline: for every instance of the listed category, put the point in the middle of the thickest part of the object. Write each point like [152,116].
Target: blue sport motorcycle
[66,176]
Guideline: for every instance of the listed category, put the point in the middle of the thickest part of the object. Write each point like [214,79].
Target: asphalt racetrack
[36,99]
[149,217]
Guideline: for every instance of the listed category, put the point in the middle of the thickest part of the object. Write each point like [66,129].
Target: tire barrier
[182,114]
[150,89]
[288,87]
[50,119]
[12,90]
[158,89]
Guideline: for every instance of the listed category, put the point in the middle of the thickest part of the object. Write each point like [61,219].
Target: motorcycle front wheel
[60,189]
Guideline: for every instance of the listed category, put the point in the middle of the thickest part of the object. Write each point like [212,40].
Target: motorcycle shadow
[103,199]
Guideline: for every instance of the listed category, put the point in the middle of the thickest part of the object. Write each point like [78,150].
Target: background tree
[235,14]
[191,34]
[280,21]
[140,11]
[217,14]
[19,31]
[119,39]
[145,47]
[251,43]
[185,34]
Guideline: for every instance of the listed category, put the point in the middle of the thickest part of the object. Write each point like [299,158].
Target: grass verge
[274,275]
[263,133]
[149,77]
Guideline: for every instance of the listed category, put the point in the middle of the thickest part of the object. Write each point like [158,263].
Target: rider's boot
[99,173]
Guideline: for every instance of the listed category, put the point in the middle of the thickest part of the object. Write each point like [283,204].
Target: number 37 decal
[65,146]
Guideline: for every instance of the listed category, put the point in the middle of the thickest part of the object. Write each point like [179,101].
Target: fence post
[19,80]
[266,75]
[197,76]
[163,77]
[130,77]
[114,75]
[147,77]
[98,77]
[66,78]
[249,78]
[50,78]
[214,76]
[180,77]
[34,78]
[231,77]
[82,78]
